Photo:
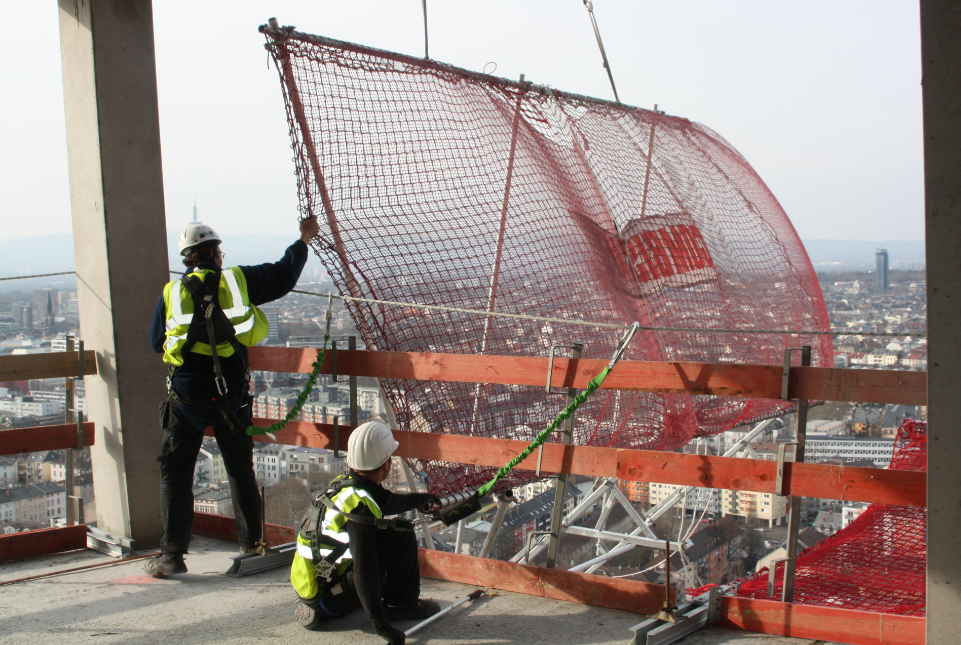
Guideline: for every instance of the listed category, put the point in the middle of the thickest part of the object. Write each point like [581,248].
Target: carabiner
[623,344]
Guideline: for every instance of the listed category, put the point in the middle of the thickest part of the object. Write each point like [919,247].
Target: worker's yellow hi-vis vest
[303,575]
[250,323]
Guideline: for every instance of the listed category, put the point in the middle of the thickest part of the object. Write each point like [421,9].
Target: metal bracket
[781,459]
[576,347]
[772,575]
[114,545]
[336,436]
[527,557]
[248,563]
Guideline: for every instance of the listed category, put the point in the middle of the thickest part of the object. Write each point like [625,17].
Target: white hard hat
[370,446]
[196,233]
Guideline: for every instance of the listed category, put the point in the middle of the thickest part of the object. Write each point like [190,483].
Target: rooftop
[119,604]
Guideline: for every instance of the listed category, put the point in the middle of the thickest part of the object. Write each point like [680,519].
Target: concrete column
[116,194]
[941,70]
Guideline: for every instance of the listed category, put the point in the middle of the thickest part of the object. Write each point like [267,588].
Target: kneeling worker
[349,555]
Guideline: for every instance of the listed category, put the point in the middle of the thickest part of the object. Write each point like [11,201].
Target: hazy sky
[823,98]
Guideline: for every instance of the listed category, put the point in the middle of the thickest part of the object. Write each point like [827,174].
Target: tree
[287,501]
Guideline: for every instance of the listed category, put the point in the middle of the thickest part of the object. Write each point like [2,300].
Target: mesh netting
[445,187]
[876,563]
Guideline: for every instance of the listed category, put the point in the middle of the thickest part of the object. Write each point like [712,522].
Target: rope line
[586,323]
[560,321]
[542,436]
[39,275]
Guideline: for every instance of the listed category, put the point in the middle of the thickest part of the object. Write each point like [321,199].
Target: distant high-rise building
[195,220]
[26,317]
[881,269]
[272,312]
[42,300]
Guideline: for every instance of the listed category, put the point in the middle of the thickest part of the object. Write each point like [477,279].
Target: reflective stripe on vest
[250,324]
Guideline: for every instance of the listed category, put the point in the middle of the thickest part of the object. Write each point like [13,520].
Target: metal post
[69,404]
[80,378]
[459,540]
[560,490]
[425,534]
[352,384]
[502,506]
[602,520]
[794,517]
[498,248]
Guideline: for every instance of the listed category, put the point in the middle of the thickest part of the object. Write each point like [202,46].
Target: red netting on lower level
[445,187]
[877,563]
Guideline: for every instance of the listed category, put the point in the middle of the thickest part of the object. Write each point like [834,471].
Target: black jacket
[194,380]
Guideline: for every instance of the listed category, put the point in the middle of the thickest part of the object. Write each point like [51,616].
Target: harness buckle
[324,569]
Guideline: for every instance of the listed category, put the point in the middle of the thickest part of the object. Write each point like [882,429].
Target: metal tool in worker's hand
[474,595]
[460,506]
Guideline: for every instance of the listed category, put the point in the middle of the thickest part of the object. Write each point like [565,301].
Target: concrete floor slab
[118,604]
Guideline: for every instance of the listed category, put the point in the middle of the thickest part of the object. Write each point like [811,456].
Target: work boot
[309,617]
[165,564]
[419,610]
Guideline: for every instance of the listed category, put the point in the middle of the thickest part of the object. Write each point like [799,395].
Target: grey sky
[823,98]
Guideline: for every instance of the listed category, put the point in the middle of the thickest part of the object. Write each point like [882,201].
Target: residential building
[267,463]
[877,450]
[30,503]
[55,498]
[7,506]
[764,506]
[851,512]
[299,461]
[8,471]
[30,466]
[27,406]
[213,468]
[698,499]
[828,522]
[53,470]
[638,492]
[214,501]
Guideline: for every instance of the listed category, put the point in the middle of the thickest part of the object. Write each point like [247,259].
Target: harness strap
[395,523]
[204,294]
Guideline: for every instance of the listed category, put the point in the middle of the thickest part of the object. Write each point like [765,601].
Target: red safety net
[441,186]
[876,563]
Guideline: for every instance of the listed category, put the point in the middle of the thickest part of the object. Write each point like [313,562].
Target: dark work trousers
[400,576]
[183,435]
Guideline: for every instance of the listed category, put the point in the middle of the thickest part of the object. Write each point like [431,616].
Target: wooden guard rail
[22,367]
[905,488]
[753,381]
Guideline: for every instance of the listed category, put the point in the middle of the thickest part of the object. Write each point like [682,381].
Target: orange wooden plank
[820,623]
[828,481]
[17,440]
[301,433]
[860,386]
[222,527]
[42,542]
[754,381]
[28,366]
[874,485]
[557,584]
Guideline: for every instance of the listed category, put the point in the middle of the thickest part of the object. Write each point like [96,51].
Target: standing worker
[208,383]
[349,555]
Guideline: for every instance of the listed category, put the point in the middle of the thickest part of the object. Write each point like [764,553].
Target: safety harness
[211,327]
[310,528]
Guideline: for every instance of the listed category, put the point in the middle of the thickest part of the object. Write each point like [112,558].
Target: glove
[423,499]
[393,635]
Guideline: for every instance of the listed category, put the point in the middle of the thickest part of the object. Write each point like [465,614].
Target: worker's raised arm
[272,281]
